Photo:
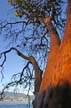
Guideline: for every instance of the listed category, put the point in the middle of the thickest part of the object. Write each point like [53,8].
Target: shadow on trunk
[55,97]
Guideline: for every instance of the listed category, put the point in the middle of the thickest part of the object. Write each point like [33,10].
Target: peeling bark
[54,46]
[62,71]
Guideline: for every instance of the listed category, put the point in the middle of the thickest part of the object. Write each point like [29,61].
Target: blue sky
[14,63]
[5,9]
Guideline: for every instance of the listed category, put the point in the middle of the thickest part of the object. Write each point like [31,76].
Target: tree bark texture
[62,70]
[54,46]
[53,90]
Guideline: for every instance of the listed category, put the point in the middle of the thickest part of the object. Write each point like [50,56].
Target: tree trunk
[62,71]
[54,46]
[38,76]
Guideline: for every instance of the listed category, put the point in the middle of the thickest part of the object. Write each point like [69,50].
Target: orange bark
[54,46]
[62,71]
[58,68]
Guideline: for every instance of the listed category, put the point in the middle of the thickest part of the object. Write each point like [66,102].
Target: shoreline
[16,99]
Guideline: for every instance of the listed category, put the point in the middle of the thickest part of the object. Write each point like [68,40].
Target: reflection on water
[14,104]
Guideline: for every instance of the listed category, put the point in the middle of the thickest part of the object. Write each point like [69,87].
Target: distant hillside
[16,96]
[12,94]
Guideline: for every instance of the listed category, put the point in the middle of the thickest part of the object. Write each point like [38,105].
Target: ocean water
[14,104]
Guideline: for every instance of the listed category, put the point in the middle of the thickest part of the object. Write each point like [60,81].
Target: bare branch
[22,78]
[12,23]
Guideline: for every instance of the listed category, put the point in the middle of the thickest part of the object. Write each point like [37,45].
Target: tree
[37,21]
[60,80]
[50,16]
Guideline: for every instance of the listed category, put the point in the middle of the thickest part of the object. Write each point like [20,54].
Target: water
[13,104]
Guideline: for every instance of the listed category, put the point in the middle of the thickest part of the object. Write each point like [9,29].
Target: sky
[14,63]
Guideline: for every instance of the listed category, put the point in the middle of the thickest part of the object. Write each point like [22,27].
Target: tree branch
[31,59]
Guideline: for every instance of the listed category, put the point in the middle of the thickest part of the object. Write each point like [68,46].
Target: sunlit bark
[62,71]
[54,46]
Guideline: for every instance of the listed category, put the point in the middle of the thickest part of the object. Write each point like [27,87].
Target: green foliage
[35,9]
